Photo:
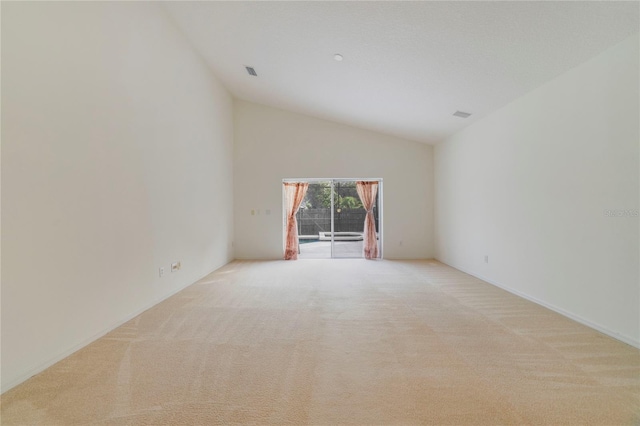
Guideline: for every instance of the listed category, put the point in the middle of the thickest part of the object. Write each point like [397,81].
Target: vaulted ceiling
[407,66]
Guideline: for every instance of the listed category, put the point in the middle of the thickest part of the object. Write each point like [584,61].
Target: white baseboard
[59,357]
[602,329]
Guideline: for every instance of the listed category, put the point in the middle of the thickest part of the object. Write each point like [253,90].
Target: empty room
[366,213]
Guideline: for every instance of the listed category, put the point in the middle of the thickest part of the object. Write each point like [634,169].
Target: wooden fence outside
[314,221]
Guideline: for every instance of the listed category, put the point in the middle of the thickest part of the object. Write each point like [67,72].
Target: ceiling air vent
[461,114]
[251,71]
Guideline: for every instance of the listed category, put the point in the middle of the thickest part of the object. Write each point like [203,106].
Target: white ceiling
[408,66]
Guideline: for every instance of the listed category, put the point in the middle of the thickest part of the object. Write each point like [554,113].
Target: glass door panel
[314,222]
[348,220]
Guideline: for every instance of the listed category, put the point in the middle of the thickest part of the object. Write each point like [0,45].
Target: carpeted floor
[339,342]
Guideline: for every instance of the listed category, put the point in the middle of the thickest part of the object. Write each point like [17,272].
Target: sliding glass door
[331,219]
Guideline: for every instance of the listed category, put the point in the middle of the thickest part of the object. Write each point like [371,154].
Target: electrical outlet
[486,258]
[161,271]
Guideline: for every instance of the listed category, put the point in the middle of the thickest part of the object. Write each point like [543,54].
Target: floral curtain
[367,192]
[293,195]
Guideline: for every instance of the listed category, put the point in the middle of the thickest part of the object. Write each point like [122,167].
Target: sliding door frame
[332,182]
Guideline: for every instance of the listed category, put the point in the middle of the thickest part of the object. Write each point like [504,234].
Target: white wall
[529,185]
[272,144]
[117,159]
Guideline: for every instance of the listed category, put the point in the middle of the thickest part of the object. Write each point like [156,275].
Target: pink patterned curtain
[367,192]
[293,195]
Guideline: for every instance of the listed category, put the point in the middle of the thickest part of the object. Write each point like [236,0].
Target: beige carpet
[339,342]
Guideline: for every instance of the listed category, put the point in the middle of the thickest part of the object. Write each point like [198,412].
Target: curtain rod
[330,179]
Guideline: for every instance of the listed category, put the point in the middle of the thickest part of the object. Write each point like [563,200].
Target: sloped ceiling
[408,66]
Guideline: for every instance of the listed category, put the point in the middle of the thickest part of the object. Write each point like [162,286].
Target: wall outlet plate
[160,271]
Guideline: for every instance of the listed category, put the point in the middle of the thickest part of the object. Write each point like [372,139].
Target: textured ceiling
[408,66]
